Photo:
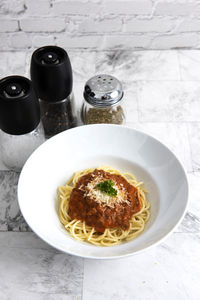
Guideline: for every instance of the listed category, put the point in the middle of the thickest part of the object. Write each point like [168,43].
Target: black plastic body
[20,114]
[52,82]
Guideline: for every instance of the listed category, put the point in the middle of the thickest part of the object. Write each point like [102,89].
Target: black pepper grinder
[51,74]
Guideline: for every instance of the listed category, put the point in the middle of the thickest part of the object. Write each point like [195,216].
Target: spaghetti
[100,219]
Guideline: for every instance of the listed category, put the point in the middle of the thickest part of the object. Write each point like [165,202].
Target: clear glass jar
[15,149]
[57,116]
[103,101]
[97,115]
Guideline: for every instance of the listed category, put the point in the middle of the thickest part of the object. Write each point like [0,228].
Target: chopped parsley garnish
[107,187]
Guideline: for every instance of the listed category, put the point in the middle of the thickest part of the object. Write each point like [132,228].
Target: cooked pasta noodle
[111,236]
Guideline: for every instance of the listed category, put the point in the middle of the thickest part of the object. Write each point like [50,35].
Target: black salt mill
[21,131]
[51,74]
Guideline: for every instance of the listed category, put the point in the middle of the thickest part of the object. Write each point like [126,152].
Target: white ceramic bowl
[54,162]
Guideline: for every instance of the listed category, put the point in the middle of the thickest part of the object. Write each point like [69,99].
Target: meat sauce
[98,215]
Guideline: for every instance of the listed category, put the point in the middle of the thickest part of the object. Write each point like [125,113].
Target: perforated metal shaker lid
[103,90]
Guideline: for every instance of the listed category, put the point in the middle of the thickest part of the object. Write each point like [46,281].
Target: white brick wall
[100,24]
[42,24]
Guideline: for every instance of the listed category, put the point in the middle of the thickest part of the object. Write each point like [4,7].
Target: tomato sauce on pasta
[100,215]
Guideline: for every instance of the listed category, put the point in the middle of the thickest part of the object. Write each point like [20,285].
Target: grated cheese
[101,197]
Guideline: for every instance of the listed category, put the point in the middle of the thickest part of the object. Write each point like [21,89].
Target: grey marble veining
[10,215]
[169,101]
[189,64]
[83,64]
[194,139]
[190,223]
[194,195]
[169,271]
[30,269]
[139,65]
[12,63]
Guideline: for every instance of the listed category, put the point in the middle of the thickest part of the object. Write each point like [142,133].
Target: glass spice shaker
[51,74]
[103,103]
[20,129]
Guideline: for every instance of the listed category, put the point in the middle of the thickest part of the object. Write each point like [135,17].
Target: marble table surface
[162,92]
